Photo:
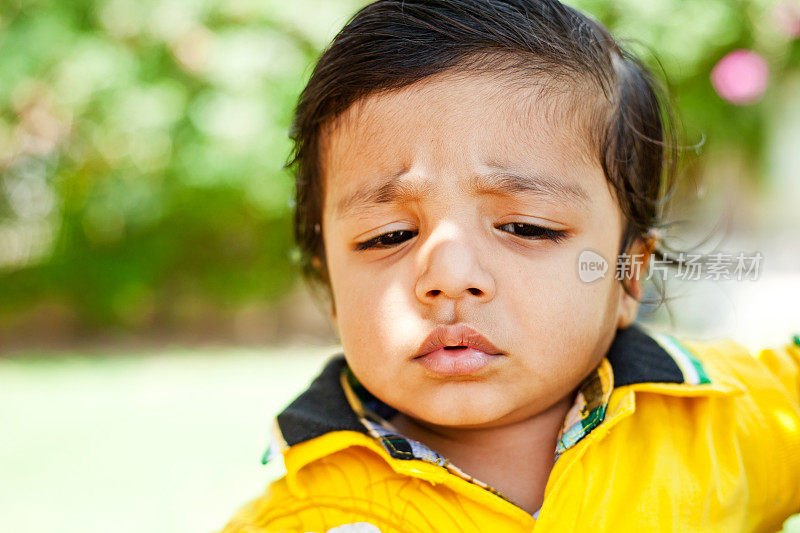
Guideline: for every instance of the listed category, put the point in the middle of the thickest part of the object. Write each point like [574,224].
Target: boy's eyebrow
[502,183]
[505,183]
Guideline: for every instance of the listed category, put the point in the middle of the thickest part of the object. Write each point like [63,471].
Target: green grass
[164,442]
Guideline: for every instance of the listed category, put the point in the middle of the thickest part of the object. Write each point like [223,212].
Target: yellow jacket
[666,435]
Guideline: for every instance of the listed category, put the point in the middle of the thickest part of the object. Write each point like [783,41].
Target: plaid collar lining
[589,408]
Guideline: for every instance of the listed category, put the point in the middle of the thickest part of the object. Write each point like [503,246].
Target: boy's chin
[458,415]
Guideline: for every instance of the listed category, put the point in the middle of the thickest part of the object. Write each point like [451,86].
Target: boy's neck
[515,459]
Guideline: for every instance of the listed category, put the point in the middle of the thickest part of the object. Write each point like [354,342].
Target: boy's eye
[386,240]
[533,232]
[526,231]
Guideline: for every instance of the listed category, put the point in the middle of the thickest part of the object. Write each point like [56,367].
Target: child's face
[459,266]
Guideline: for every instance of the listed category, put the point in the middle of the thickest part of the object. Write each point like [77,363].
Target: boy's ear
[638,260]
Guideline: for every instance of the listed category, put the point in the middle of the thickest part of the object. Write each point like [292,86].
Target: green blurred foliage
[142,141]
[141,149]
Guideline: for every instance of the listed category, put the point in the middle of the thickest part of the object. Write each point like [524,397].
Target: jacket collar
[636,356]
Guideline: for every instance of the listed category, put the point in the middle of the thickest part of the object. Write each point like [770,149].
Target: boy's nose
[452,269]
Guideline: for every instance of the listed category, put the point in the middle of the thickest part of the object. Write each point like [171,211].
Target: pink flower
[740,77]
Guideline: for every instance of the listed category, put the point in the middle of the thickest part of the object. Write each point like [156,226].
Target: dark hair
[390,44]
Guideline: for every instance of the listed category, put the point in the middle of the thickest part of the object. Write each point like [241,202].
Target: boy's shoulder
[726,439]
[748,395]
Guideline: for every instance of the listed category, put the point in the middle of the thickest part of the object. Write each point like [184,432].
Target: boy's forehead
[465,120]
[457,101]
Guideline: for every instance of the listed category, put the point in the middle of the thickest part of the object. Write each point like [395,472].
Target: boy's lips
[455,350]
